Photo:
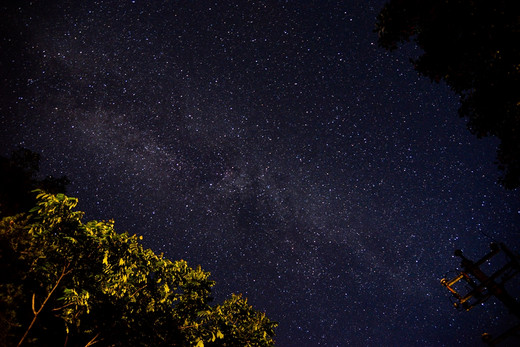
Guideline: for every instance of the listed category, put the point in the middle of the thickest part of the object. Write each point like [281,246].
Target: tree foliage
[71,283]
[472,46]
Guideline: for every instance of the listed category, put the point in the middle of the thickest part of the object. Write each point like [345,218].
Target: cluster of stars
[272,143]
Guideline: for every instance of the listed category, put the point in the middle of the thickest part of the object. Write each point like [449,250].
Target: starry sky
[272,142]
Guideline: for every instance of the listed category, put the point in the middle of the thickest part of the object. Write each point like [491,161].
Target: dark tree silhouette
[474,47]
[19,177]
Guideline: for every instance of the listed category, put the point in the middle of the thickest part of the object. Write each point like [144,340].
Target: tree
[473,47]
[18,175]
[66,282]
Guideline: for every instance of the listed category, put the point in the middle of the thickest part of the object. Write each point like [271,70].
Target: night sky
[275,144]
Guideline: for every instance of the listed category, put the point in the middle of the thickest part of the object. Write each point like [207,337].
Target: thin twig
[139,289]
[34,311]
[62,307]
[93,341]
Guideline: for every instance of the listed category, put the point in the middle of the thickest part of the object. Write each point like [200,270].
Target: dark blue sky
[273,143]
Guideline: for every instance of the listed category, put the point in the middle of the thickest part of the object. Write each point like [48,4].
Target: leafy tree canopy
[66,282]
[472,46]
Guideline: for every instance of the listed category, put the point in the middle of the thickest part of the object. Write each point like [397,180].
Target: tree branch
[138,290]
[64,272]
[93,341]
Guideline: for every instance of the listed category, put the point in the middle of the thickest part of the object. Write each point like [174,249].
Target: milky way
[271,142]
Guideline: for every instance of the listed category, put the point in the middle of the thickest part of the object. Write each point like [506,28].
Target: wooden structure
[483,286]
